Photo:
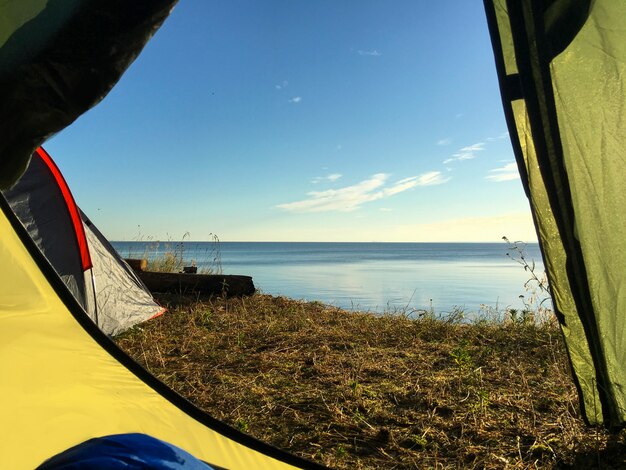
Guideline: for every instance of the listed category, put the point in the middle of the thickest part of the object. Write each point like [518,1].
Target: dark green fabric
[568,128]
[59,58]
[562,20]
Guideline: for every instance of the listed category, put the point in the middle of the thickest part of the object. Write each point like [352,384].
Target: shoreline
[366,276]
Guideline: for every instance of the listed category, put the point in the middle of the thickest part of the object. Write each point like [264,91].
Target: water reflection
[381,285]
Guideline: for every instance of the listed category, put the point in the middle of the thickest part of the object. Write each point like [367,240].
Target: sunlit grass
[359,390]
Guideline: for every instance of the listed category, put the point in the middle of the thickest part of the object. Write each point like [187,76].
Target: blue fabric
[124,451]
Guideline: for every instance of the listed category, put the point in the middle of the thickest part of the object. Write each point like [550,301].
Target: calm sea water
[367,276]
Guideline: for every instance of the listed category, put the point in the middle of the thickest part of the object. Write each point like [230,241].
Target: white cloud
[344,199]
[352,197]
[431,178]
[446,141]
[331,178]
[401,186]
[466,153]
[295,99]
[282,85]
[508,172]
[469,152]
[372,53]
[504,135]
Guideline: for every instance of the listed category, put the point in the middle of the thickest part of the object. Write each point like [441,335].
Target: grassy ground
[355,390]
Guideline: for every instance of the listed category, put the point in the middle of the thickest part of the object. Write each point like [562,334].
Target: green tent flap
[47,80]
[562,72]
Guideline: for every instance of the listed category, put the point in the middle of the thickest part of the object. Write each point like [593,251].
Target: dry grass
[355,390]
[173,256]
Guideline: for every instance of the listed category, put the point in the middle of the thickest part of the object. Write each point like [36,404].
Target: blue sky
[287,120]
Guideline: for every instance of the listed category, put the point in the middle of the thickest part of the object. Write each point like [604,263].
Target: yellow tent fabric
[60,386]
[62,381]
